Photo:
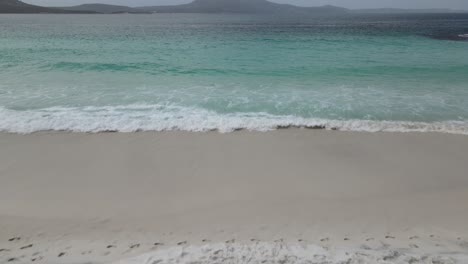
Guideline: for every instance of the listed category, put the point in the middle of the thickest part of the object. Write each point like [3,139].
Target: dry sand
[287,196]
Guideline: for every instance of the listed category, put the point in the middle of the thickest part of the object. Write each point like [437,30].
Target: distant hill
[210,6]
[242,6]
[16,6]
[104,9]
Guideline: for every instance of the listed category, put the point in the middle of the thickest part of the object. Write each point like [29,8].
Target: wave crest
[133,118]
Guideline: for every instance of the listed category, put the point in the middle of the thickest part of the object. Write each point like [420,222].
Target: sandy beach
[286,196]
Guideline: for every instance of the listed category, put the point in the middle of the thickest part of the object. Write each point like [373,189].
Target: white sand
[313,195]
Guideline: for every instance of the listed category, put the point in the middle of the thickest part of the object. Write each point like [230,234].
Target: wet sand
[108,197]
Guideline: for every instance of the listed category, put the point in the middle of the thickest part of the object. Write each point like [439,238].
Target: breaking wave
[133,118]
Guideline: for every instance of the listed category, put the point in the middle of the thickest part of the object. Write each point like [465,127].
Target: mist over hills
[207,6]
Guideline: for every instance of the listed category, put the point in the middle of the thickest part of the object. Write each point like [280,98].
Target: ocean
[225,72]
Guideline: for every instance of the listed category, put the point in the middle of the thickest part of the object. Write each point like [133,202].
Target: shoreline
[157,118]
[108,197]
[236,130]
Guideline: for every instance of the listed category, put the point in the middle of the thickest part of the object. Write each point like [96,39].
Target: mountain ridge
[240,6]
[103,8]
[209,6]
[16,6]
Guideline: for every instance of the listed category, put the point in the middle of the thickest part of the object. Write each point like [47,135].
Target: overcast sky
[455,4]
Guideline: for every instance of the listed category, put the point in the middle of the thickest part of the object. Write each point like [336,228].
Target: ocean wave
[134,118]
[264,252]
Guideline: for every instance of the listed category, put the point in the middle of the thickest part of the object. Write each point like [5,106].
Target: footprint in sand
[320,257]
[37,259]
[4,250]
[413,246]
[389,237]
[158,244]
[86,252]
[365,247]
[182,243]
[28,246]
[14,239]
[230,241]
[110,246]
[134,246]
[414,237]
[324,239]
[384,245]
[391,256]
[131,247]
[61,254]
[346,239]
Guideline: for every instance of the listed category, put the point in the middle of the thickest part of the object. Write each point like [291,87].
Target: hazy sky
[456,4]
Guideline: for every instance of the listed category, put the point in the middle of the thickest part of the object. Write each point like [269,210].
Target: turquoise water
[226,72]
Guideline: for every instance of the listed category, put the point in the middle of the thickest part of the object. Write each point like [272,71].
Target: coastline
[107,197]
[163,118]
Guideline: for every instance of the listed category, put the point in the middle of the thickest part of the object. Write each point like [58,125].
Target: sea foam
[133,118]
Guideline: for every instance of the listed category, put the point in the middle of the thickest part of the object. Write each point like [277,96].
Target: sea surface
[226,72]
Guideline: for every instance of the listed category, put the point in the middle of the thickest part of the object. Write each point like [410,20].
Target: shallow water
[226,72]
